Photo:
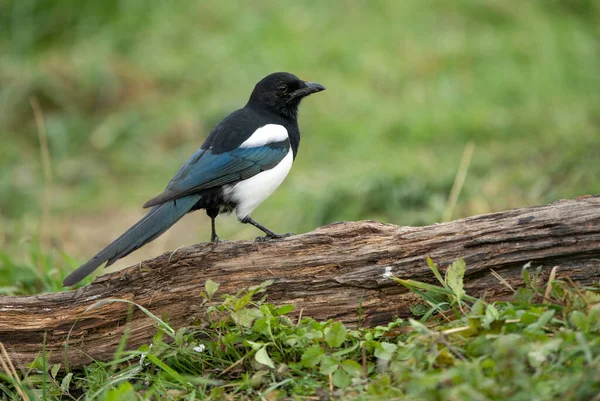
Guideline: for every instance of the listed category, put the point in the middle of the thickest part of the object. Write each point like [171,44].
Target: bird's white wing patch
[266,134]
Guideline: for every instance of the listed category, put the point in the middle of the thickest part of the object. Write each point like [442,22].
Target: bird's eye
[282,88]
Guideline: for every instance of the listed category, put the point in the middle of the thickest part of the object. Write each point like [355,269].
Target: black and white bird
[241,163]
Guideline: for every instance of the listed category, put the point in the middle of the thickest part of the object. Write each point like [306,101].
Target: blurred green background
[129,89]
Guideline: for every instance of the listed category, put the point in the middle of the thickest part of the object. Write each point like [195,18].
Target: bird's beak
[314,87]
[307,89]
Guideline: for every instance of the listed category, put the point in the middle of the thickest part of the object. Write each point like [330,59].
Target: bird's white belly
[250,193]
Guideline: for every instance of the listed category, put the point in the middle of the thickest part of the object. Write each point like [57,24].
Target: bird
[241,163]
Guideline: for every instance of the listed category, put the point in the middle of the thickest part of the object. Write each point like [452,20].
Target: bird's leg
[213,235]
[213,213]
[270,234]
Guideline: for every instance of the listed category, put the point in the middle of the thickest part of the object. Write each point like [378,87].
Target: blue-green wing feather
[206,169]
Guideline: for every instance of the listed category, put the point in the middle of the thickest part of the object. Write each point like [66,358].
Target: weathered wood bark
[326,273]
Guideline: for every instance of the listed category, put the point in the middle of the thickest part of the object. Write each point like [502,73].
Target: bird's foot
[216,240]
[271,236]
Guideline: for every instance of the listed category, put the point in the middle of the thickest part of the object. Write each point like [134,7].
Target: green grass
[455,347]
[128,92]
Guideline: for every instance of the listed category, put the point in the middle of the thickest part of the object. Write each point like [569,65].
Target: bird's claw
[217,240]
[269,237]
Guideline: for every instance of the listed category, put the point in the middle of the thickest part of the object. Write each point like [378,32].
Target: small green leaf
[580,320]
[263,358]
[312,356]
[255,346]
[541,322]
[594,318]
[313,334]
[55,369]
[211,287]
[262,326]
[546,316]
[245,317]
[180,335]
[385,351]
[435,271]
[341,379]
[477,308]
[491,315]
[523,296]
[284,310]
[454,278]
[241,302]
[33,380]
[353,368]
[260,287]
[66,382]
[328,365]
[124,392]
[528,318]
[335,335]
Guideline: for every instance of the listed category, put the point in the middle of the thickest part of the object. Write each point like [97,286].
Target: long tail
[158,220]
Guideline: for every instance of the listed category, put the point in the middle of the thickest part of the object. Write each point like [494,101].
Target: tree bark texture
[326,273]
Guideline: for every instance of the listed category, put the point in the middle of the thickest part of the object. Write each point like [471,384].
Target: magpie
[240,164]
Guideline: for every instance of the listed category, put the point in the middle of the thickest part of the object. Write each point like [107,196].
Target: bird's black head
[281,92]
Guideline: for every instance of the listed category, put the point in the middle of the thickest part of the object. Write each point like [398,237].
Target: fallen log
[326,273]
